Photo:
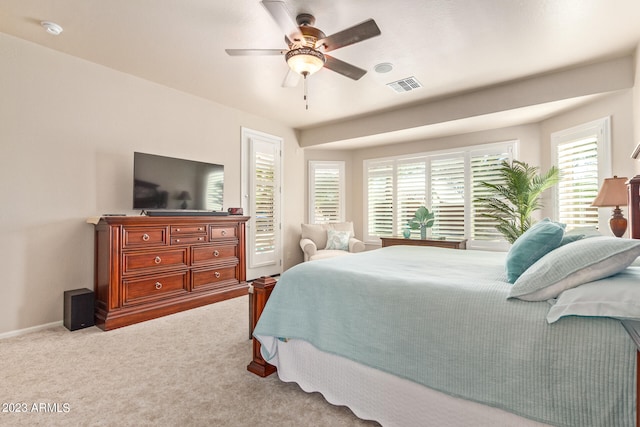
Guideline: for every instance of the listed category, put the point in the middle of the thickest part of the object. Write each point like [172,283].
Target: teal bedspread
[441,318]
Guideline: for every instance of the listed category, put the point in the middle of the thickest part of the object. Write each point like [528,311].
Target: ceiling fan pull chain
[304,85]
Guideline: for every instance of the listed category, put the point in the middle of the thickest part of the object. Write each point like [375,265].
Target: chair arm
[356,245]
[308,247]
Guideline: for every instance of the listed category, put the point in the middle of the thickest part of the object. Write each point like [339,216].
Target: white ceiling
[450,46]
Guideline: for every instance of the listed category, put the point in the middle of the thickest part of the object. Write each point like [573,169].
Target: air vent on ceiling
[405,85]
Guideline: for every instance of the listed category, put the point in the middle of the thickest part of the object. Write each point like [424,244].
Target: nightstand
[450,244]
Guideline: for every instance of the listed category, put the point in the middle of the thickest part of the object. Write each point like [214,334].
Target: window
[582,154]
[326,192]
[446,182]
[261,183]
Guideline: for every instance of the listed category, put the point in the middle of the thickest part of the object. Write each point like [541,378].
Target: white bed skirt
[375,395]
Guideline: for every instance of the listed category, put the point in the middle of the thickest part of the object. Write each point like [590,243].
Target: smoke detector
[383,67]
[51,28]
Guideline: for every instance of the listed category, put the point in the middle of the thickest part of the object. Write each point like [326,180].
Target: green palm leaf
[512,203]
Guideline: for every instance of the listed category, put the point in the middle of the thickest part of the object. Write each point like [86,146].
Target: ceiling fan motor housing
[310,35]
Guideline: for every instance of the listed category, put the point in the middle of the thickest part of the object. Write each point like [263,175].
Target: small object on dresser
[235,211]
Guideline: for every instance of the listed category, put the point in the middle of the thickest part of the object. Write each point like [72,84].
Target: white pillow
[574,264]
[338,240]
[617,296]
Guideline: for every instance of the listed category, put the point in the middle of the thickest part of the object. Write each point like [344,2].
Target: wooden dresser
[451,244]
[147,267]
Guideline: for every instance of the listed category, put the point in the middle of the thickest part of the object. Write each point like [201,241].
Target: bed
[431,336]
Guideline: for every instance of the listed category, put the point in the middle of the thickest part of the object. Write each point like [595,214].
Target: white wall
[67,136]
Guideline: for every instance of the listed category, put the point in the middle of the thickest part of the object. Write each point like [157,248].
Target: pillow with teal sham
[338,240]
[532,245]
[573,265]
[570,238]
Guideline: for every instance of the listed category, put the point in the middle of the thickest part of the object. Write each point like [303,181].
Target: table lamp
[613,193]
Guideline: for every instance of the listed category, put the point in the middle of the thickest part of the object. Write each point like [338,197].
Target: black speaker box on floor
[78,309]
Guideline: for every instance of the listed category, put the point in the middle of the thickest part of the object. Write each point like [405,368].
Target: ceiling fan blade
[351,35]
[343,68]
[278,11]
[255,52]
[291,79]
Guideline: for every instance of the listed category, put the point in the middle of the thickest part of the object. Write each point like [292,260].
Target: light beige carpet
[187,369]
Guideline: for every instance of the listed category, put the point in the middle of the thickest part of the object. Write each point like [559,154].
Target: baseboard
[30,330]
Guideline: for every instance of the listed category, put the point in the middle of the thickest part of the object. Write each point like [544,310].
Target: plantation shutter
[485,167]
[380,199]
[448,196]
[411,191]
[265,202]
[326,182]
[578,187]
[445,182]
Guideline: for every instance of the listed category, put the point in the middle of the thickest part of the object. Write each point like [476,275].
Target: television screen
[161,182]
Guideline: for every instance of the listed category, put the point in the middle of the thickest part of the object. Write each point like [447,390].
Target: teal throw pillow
[338,240]
[570,238]
[536,242]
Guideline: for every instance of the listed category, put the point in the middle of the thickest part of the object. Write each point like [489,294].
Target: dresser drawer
[213,278]
[136,262]
[212,253]
[188,229]
[135,237]
[222,232]
[187,240]
[141,290]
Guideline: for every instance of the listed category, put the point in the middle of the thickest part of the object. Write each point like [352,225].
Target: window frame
[602,128]
[339,165]
[510,146]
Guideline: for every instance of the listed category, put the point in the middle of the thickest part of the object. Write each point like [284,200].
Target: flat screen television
[170,184]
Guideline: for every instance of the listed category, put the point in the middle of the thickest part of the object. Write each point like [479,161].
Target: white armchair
[328,240]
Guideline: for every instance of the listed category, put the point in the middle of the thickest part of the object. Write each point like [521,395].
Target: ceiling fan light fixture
[305,60]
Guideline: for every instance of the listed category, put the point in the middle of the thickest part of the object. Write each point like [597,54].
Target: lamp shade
[305,60]
[612,193]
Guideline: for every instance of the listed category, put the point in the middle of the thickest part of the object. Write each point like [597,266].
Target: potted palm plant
[422,220]
[512,202]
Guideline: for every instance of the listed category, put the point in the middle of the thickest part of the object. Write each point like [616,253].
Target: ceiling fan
[307,45]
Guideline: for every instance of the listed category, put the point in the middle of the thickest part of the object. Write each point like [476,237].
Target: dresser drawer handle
[223,232]
[217,274]
[216,253]
[177,240]
[158,285]
[177,229]
[200,228]
[145,237]
[158,260]
[200,238]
